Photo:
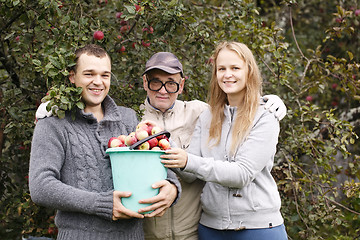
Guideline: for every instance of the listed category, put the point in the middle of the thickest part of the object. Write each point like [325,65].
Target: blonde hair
[246,109]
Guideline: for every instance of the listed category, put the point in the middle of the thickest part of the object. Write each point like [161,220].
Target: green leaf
[80,105]
[9,36]
[36,62]
[60,114]
[130,8]
[55,62]
[53,72]
[64,100]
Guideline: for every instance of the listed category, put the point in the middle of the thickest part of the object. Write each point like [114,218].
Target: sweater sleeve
[254,155]
[47,156]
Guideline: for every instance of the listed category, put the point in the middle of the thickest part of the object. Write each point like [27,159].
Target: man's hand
[275,104]
[162,201]
[119,211]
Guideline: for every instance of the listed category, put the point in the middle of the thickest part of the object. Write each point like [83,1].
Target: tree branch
[9,68]
[293,34]
[340,205]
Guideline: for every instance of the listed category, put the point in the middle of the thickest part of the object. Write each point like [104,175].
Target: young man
[69,170]
[163,81]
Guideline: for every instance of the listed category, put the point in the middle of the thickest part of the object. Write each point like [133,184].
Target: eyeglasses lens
[170,86]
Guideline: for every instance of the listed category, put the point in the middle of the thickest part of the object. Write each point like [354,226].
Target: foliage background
[308,52]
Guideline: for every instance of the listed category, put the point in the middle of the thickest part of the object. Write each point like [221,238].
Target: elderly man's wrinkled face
[162,88]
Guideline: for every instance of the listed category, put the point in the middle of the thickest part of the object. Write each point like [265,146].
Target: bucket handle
[137,144]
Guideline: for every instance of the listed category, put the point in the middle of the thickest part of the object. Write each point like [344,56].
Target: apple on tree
[98,35]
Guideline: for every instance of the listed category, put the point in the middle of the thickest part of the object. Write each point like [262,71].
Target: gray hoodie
[240,192]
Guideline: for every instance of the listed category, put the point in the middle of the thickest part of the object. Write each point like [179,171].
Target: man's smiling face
[161,99]
[93,74]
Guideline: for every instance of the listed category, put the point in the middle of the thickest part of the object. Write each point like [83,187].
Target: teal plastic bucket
[135,171]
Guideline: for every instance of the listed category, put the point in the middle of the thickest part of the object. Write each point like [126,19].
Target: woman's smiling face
[231,73]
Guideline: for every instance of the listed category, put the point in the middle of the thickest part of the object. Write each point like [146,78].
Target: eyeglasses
[156,85]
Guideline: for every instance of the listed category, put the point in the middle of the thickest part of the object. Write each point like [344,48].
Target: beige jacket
[180,221]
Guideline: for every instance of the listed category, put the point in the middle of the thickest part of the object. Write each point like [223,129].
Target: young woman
[232,150]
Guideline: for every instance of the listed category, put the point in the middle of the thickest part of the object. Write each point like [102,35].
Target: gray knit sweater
[70,171]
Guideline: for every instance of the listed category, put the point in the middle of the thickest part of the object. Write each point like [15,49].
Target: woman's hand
[175,158]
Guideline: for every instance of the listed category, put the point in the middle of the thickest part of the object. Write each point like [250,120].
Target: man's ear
[145,82]
[182,84]
[72,76]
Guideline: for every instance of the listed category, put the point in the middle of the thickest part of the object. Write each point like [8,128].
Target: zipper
[163,118]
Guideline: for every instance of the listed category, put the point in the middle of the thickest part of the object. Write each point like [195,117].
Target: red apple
[309,98]
[150,127]
[338,20]
[357,12]
[153,142]
[122,138]
[145,44]
[164,144]
[145,126]
[118,14]
[123,145]
[114,142]
[334,86]
[122,49]
[52,230]
[124,28]
[141,134]
[144,146]
[130,139]
[155,130]
[137,7]
[141,126]
[162,136]
[98,35]
[156,149]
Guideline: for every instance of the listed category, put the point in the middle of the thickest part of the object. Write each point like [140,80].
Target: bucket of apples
[135,162]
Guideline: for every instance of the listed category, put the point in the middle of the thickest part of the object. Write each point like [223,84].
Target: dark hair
[90,49]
